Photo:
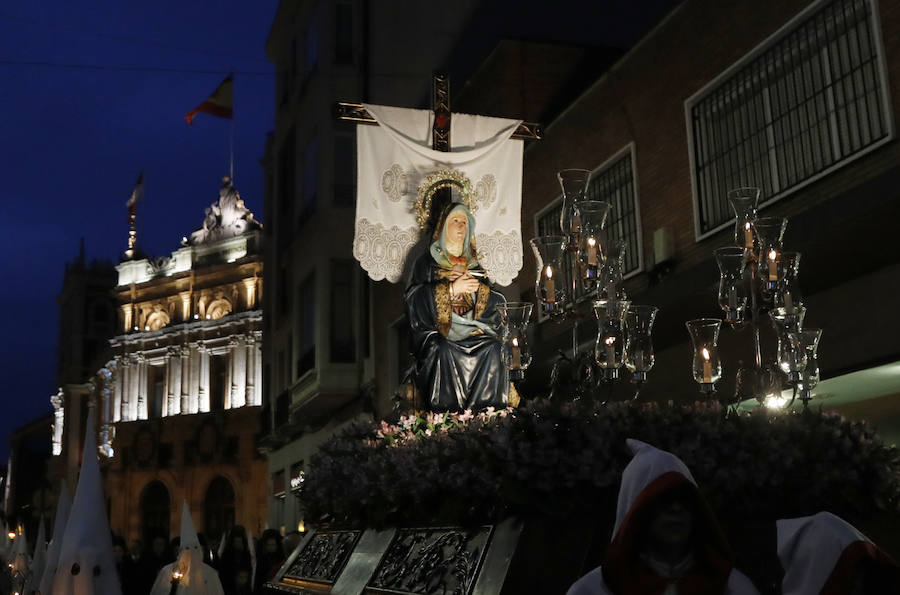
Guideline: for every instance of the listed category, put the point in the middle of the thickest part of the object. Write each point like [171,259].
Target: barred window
[809,101]
[612,182]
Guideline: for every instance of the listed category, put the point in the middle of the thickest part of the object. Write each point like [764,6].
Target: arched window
[155,506]
[218,509]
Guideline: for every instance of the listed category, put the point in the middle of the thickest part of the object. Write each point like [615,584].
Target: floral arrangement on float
[554,460]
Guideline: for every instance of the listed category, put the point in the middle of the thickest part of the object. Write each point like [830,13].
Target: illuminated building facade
[177,403]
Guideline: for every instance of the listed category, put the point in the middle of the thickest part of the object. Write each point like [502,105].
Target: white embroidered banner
[395,156]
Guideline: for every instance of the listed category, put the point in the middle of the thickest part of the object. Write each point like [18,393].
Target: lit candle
[550,286]
[707,366]
[610,352]
[748,236]
[592,252]
[788,303]
[773,269]
[176,582]
[516,355]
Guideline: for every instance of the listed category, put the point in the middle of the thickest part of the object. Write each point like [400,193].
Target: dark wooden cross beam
[440,131]
[355,112]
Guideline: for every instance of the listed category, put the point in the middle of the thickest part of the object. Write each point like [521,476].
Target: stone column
[185,367]
[127,320]
[121,387]
[142,409]
[250,292]
[173,381]
[250,356]
[195,378]
[203,391]
[129,388]
[238,374]
[185,306]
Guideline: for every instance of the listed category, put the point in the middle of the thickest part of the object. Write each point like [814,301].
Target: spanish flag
[219,104]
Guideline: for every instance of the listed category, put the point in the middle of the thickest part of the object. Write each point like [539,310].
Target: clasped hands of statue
[462,281]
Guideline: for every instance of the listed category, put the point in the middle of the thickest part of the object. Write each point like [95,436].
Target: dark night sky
[74,140]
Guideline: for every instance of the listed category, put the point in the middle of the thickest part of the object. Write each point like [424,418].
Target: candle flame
[747,226]
[773,255]
[592,242]
[610,340]
[177,575]
[705,353]
[515,341]
[12,534]
[549,272]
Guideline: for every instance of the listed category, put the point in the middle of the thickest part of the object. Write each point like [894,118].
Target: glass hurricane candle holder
[551,281]
[574,185]
[744,202]
[788,320]
[592,242]
[791,355]
[788,323]
[809,377]
[609,350]
[639,355]
[769,238]
[707,367]
[787,294]
[733,292]
[611,278]
[514,351]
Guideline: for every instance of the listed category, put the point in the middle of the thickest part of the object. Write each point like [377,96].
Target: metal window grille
[613,183]
[810,101]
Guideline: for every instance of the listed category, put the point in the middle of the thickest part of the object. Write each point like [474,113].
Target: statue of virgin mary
[453,317]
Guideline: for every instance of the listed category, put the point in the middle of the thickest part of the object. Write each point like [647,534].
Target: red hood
[651,475]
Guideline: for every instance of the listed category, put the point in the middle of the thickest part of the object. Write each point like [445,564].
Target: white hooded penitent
[63,507]
[193,576]
[821,553]
[652,476]
[38,561]
[86,562]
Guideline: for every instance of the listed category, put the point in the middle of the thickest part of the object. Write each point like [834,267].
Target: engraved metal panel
[318,565]
[431,560]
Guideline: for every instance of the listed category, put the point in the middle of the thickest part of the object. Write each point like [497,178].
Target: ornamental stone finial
[227,217]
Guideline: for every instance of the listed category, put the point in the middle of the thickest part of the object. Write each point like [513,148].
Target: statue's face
[457,223]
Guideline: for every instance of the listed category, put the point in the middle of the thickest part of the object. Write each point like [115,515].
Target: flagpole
[231,157]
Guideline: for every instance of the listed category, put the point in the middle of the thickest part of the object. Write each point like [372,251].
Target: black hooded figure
[453,319]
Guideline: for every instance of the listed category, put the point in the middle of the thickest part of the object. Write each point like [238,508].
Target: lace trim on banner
[381,250]
[500,254]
